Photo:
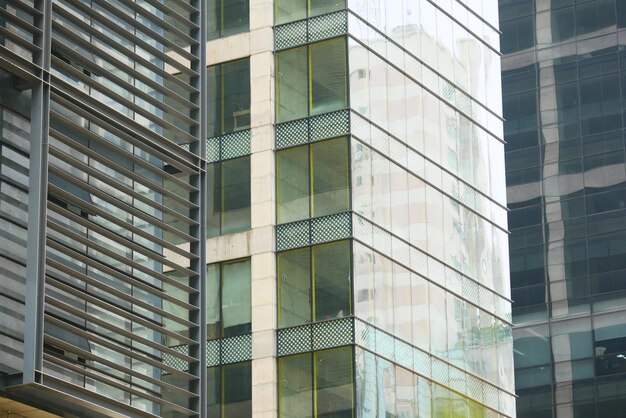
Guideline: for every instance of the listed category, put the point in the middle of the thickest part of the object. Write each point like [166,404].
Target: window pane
[334,383]
[235,195]
[383,292]
[294,272]
[293,184]
[290,10]
[214,201]
[214,389]
[236,297]
[235,16]
[228,106]
[320,7]
[213,301]
[236,96]
[227,17]
[330,180]
[292,86]
[237,391]
[332,280]
[364,282]
[296,391]
[328,85]
[214,94]
[406,385]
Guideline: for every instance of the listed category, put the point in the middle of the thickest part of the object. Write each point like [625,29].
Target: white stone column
[263,210]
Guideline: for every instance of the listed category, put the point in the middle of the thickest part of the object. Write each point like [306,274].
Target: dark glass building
[564,88]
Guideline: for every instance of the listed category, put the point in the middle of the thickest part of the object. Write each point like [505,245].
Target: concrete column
[263,211]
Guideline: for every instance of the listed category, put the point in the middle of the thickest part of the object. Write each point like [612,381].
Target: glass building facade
[391,239]
[563,87]
[253,208]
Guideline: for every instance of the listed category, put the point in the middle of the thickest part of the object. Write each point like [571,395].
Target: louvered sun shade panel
[121,284]
[19,28]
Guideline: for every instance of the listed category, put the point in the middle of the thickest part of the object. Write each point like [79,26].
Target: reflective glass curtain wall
[408,220]
[563,87]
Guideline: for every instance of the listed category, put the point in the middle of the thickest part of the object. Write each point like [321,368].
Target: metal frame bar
[199,248]
[37,197]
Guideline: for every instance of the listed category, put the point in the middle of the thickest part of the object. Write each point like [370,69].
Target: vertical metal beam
[203,209]
[37,197]
[199,148]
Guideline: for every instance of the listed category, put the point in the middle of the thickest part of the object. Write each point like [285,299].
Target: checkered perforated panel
[290,35]
[385,345]
[404,354]
[236,144]
[213,353]
[330,334]
[231,145]
[331,228]
[294,340]
[312,129]
[290,134]
[314,29]
[329,125]
[175,362]
[313,231]
[236,349]
[292,235]
[328,26]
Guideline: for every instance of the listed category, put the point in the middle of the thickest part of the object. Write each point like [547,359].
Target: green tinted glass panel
[328,76]
[294,275]
[296,386]
[213,307]
[330,177]
[228,102]
[236,298]
[333,386]
[320,7]
[293,184]
[235,195]
[290,10]
[227,17]
[214,200]
[214,391]
[237,391]
[292,84]
[332,280]
[235,96]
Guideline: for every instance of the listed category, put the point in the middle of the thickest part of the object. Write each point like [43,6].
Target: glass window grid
[432,81]
[407,60]
[583,296]
[311,194]
[312,397]
[310,109]
[409,394]
[433,270]
[310,253]
[472,198]
[370,338]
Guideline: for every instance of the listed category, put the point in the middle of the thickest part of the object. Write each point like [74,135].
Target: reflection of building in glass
[563,89]
[269,208]
[390,231]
